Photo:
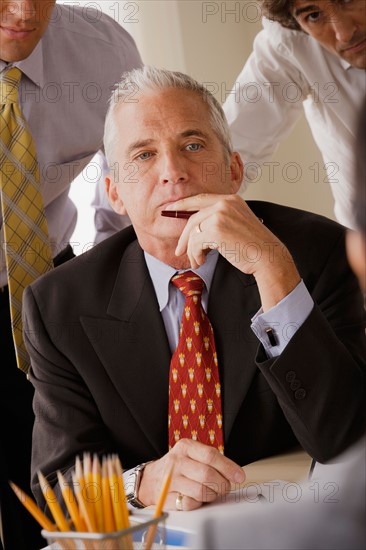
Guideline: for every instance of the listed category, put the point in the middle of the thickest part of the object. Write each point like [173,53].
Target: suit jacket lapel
[134,319]
[134,316]
[234,299]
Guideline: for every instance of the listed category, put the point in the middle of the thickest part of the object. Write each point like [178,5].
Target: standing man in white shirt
[310,54]
[70,58]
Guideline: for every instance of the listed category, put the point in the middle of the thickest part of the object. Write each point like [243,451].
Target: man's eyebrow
[194,132]
[305,9]
[139,144]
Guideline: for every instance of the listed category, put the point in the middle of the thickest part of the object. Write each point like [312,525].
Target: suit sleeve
[66,417]
[319,379]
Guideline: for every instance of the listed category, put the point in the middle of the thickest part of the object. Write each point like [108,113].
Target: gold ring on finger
[179,502]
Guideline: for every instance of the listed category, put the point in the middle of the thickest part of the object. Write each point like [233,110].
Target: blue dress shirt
[283,320]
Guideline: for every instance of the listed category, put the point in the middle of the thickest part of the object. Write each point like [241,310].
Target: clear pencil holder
[133,538]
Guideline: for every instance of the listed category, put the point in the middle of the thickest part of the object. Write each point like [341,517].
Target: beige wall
[207,41]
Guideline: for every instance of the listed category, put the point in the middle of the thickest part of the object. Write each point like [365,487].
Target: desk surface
[293,466]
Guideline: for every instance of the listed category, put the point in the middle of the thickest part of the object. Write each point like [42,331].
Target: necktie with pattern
[28,253]
[194,385]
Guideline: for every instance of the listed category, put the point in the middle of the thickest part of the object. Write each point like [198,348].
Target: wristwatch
[133,485]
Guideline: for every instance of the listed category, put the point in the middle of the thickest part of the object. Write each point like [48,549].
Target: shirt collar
[161,274]
[345,64]
[32,66]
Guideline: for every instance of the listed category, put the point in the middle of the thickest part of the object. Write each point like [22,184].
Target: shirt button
[295,385]
[300,394]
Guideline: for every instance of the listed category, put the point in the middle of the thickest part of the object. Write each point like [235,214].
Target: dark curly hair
[280,10]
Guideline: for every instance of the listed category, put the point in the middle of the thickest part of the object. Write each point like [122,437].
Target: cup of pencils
[134,537]
[98,517]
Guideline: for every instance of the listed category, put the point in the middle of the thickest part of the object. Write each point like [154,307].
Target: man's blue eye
[194,146]
[144,156]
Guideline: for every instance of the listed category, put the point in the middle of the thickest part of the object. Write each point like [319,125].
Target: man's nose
[173,169]
[344,26]
[23,10]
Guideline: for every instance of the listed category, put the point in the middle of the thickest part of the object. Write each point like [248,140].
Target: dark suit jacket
[100,355]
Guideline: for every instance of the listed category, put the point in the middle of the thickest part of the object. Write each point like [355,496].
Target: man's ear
[236,171]
[115,201]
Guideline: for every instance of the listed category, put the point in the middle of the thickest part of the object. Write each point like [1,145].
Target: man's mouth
[16,32]
[355,47]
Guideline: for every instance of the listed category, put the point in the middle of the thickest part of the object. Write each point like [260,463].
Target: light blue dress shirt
[284,319]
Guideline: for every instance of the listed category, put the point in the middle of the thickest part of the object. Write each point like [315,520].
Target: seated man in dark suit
[282,362]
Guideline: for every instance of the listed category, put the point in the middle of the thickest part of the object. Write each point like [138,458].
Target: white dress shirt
[288,71]
[64,91]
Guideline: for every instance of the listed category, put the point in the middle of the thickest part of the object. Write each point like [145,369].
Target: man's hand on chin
[227,224]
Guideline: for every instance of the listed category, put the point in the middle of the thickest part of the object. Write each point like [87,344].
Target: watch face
[131,488]
[133,484]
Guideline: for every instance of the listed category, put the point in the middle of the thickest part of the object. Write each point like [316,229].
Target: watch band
[133,485]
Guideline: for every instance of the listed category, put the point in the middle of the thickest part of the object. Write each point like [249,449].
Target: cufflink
[271,337]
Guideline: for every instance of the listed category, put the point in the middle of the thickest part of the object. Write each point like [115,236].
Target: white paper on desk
[266,492]
[239,504]
[247,496]
[250,493]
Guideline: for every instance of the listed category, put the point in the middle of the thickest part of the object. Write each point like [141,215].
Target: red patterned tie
[194,384]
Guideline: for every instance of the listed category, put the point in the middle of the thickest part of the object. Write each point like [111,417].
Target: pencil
[128,539]
[82,504]
[121,491]
[109,523]
[83,495]
[32,508]
[159,508]
[70,502]
[113,482]
[89,488]
[97,480]
[55,508]
[183,214]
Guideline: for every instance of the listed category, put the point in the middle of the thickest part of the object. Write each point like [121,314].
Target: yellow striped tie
[28,253]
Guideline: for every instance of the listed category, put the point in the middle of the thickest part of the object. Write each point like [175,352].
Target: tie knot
[189,283]
[9,83]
